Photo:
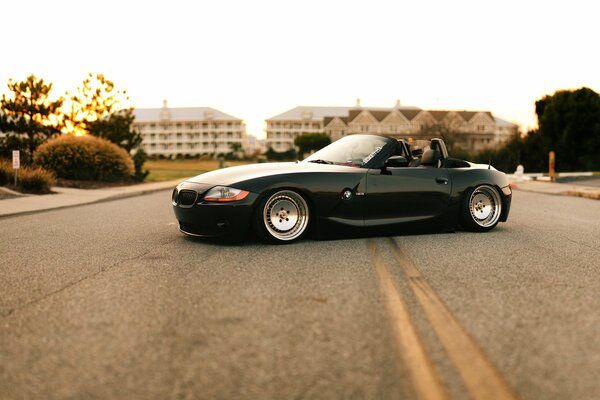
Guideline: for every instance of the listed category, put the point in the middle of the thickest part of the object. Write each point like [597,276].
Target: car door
[405,195]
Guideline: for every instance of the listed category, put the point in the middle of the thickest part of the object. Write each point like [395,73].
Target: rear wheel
[481,209]
[282,217]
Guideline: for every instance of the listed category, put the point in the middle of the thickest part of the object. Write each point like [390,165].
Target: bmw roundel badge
[347,194]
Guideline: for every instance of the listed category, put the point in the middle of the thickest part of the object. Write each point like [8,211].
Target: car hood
[232,175]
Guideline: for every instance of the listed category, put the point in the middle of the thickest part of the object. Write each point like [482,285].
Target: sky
[256,59]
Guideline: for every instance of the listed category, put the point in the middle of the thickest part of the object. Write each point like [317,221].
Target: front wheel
[282,217]
[481,209]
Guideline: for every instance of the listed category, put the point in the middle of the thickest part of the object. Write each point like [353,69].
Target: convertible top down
[358,185]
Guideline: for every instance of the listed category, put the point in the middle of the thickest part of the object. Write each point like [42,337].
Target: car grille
[187,197]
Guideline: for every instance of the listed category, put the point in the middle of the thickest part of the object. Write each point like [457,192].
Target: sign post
[16,163]
[551,166]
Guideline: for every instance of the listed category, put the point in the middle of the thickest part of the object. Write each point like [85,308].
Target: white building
[475,130]
[282,129]
[505,129]
[191,131]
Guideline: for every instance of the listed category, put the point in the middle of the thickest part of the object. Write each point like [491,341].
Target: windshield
[353,150]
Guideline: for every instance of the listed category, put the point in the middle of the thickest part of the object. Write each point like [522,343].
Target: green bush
[139,158]
[6,172]
[35,180]
[289,155]
[85,158]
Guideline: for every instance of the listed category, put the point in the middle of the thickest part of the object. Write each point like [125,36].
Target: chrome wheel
[485,206]
[285,215]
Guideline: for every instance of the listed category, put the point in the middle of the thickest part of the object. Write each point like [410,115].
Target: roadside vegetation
[84,158]
[84,136]
[29,179]
[569,125]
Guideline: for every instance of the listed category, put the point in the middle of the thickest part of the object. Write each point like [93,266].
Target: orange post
[551,166]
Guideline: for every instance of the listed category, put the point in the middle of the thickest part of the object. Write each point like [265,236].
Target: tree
[117,127]
[95,110]
[507,157]
[236,151]
[569,124]
[287,155]
[96,99]
[29,117]
[309,142]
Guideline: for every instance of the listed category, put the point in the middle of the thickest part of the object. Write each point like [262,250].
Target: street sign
[16,159]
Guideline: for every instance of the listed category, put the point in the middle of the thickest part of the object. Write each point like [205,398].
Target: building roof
[410,114]
[467,115]
[318,113]
[438,115]
[182,114]
[503,122]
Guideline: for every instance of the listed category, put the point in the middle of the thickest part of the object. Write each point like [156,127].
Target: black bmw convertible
[358,185]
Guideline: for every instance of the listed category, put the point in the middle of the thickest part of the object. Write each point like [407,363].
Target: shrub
[139,158]
[35,180]
[6,173]
[85,158]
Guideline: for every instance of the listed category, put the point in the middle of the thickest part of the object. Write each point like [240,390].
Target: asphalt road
[111,301]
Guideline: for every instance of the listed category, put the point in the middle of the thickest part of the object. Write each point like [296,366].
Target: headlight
[222,194]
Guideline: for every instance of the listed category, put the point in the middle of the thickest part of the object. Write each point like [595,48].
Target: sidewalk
[69,197]
[564,189]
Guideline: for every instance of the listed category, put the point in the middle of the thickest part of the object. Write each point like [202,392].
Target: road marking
[482,379]
[425,379]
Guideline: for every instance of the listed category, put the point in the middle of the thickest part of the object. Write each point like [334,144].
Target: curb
[586,194]
[116,196]
[5,190]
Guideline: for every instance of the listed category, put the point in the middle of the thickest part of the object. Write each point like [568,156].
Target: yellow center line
[482,379]
[424,377]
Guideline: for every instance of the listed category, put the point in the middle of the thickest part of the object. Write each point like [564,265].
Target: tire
[481,209]
[282,217]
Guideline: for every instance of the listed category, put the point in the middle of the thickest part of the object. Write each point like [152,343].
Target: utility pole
[551,157]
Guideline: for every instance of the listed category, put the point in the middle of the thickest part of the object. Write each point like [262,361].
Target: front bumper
[231,221]
[506,202]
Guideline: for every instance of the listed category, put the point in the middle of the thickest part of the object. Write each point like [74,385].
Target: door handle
[443,181]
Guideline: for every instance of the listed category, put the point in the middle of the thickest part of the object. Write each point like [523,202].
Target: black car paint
[383,201]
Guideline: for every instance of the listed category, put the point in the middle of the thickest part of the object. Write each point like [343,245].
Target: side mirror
[396,162]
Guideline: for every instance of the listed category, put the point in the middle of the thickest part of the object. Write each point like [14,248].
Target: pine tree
[28,117]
